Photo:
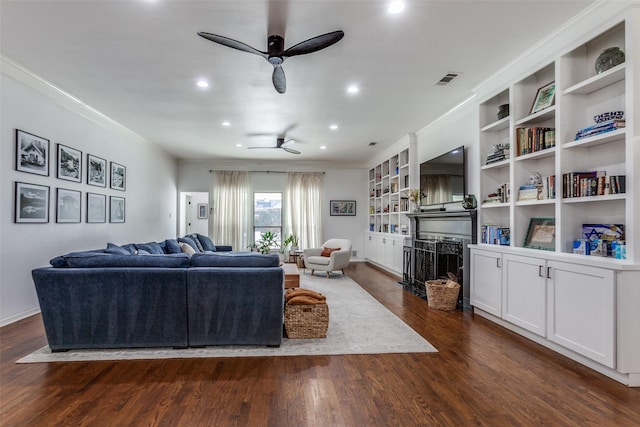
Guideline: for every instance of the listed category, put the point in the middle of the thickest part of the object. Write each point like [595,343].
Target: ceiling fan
[283,144]
[276,54]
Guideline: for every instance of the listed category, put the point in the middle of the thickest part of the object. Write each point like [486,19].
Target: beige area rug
[358,324]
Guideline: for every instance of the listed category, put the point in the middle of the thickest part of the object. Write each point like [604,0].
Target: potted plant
[268,240]
[293,241]
[415,195]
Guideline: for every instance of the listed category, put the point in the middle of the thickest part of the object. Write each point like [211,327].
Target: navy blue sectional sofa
[126,296]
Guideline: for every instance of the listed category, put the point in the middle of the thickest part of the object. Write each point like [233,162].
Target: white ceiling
[137,61]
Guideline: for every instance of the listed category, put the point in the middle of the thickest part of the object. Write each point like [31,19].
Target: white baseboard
[12,319]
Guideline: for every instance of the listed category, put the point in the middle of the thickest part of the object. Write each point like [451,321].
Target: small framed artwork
[203,210]
[116,208]
[541,234]
[67,206]
[118,176]
[544,97]
[96,171]
[31,203]
[342,207]
[69,163]
[32,153]
[96,208]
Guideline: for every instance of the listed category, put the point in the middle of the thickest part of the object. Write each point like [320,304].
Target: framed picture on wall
[342,208]
[116,209]
[118,176]
[67,206]
[31,203]
[203,210]
[96,208]
[544,97]
[69,163]
[96,171]
[32,153]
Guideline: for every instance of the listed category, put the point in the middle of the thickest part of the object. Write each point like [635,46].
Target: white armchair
[338,258]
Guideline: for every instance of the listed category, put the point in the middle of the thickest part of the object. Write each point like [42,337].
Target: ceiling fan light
[333,127]
[226,123]
[202,83]
[353,89]
[395,7]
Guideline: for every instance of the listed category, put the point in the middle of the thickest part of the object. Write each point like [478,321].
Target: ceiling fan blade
[288,142]
[290,150]
[314,44]
[262,147]
[226,41]
[279,80]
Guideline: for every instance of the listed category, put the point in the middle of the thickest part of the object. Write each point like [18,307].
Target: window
[267,215]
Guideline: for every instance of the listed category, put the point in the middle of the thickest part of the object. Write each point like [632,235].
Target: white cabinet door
[524,292]
[581,310]
[398,255]
[387,252]
[374,248]
[486,281]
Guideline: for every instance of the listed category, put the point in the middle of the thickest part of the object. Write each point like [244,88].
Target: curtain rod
[212,170]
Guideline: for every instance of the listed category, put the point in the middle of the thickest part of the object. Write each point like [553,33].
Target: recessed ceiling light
[353,89]
[226,123]
[202,83]
[323,147]
[395,7]
[333,127]
[238,145]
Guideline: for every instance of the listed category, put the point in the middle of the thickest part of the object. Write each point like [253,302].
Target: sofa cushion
[97,260]
[186,248]
[194,237]
[172,246]
[151,247]
[206,242]
[61,261]
[319,260]
[114,249]
[189,240]
[235,259]
[131,247]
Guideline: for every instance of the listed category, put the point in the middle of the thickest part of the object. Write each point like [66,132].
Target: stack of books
[500,153]
[495,235]
[501,195]
[530,140]
[594,183]
[608,126]
[529,192]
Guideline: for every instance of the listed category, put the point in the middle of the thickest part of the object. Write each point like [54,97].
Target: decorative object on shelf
[32,153]
[500,152]
[541,234]
[545,97]
[342,208]
[609,58]
[469,202]
[31,203]
[203,210]
[610,115]
[415,195]
[503,111]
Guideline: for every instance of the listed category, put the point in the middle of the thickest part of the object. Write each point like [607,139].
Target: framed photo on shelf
[69,163]
[31,203]
[342,208]
[96,171]
[544,97]
[67,206]
[118,176]
[203,210]
[116,208]
[541,234]
[96,208]
[32,153]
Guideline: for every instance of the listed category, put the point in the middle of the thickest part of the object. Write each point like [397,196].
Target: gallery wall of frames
[32,202]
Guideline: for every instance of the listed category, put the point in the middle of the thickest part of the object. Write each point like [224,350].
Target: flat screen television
[442,179]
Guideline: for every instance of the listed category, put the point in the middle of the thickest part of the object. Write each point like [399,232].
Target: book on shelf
[495,235]
[501,195]
[531,140]
[599,128]
[498,155]
[594,183]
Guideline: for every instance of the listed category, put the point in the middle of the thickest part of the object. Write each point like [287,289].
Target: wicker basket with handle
[306,321]
[442,294]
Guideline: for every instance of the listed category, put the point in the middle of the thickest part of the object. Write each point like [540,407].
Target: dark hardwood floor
[483,374]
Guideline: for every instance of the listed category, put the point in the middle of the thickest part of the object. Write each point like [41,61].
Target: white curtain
[304,207]
[231,209]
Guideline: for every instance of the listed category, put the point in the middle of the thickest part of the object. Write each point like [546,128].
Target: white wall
[339,184]
[30,105]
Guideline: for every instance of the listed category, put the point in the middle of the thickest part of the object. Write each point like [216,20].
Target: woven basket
[442,297]
[306,321]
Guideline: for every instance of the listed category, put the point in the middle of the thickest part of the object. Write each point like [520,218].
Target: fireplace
[439,246]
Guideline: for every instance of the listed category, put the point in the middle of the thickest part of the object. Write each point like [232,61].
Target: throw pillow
[187,249]
[189,241]
[194,237]
[327,251]
[173,247]
[206,242]
[151,247]
[116,250]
